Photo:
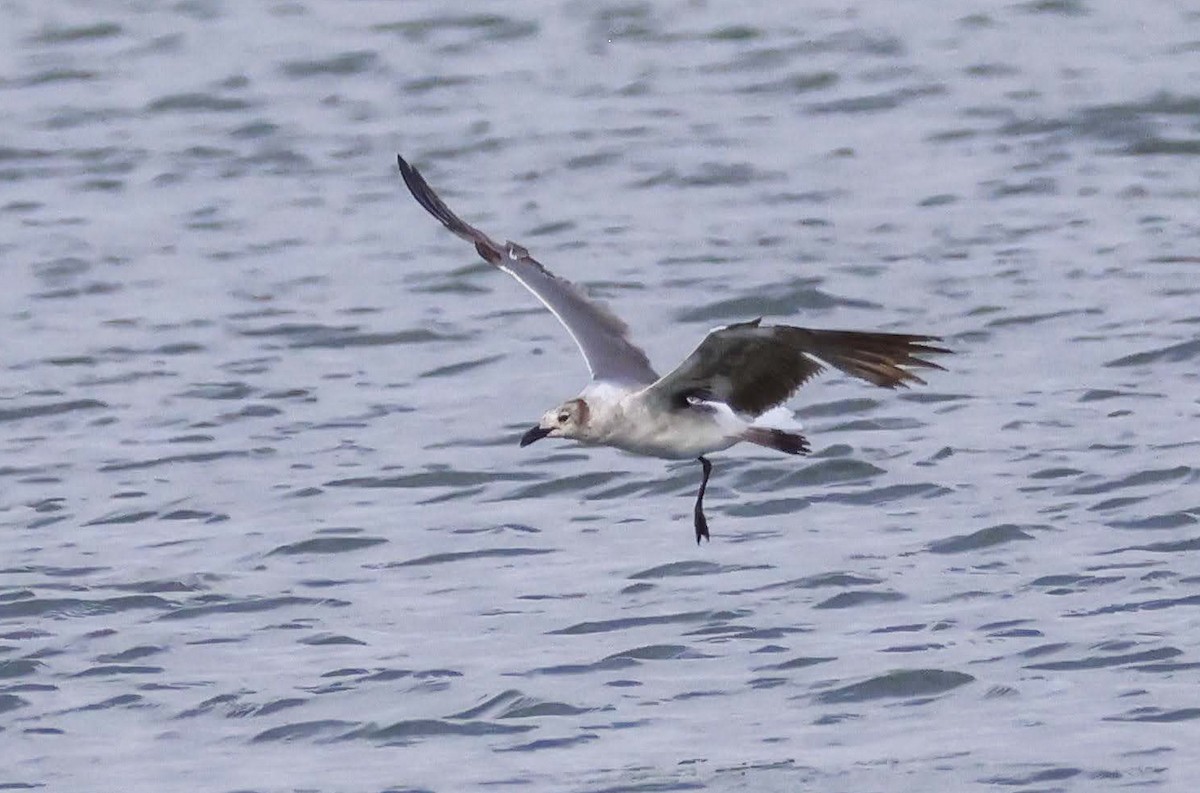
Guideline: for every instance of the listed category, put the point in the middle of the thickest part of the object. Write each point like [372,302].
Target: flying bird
[730,389]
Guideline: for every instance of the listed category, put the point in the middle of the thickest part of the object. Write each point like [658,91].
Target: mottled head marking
[568,420]
[576,410]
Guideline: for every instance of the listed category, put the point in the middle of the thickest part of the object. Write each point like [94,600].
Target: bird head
[568,420]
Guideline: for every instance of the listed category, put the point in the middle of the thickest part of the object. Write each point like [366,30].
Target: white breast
[624,420]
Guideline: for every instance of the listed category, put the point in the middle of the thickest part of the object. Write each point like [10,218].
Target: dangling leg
[701,523]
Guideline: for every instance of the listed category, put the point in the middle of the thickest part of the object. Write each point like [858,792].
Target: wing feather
[600,335]
[754,367]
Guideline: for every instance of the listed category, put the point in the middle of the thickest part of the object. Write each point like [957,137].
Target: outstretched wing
[601,336]
[753,367]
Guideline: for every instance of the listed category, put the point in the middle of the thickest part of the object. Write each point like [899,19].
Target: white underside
[623,418]
[779,417]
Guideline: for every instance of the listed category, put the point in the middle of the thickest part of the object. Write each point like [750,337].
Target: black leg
[701,523]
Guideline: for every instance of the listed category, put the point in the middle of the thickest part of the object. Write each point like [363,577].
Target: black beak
[535,434]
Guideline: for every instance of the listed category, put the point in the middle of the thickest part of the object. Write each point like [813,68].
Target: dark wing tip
[883,359]
[421,191]
[408,173]
[920,347]
[434,205]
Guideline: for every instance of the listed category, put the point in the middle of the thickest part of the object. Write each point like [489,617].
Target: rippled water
[263,521]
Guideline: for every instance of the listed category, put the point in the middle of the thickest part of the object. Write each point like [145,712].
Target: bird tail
[777,439]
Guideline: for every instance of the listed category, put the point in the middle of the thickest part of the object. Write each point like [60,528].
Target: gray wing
[753,367]
[601,336]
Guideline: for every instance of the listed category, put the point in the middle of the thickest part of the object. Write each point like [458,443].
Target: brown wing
[600,335]
[753,367]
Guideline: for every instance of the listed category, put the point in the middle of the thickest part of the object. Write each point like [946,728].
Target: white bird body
[730,389]
[626,419]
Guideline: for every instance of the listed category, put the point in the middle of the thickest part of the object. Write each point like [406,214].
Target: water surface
[264,524]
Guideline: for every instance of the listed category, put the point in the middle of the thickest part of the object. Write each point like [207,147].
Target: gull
[730,389]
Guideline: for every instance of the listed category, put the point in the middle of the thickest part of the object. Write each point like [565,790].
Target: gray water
[264,524]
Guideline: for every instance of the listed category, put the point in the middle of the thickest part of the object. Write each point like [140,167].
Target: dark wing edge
[754,368]
[601,336]
[434,205]
[883,359]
